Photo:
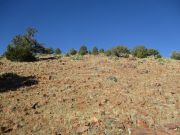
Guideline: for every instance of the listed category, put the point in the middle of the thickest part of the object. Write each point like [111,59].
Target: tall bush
[20,50]
[24,47]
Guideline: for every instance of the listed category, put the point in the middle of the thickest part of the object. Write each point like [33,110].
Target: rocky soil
[93,96]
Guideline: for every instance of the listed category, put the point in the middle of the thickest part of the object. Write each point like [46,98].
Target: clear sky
[103,23]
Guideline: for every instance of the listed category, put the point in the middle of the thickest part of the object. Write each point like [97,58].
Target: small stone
[35,105]
[147,131]
[95,119]
[102,102]
[36,128]
[112,78]
[82,129]
[50,78]
[141,123]
[143,71]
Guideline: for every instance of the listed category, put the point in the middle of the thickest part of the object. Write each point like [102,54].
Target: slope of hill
[96,96]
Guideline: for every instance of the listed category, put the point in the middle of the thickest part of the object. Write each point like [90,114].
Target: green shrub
[72,51]
[140,52]
[83,50]
[120,51]
[101,50]
[95,51]
[24,47]
[175,55]
[153,52]
[20,53]
[57,51]
[108,53]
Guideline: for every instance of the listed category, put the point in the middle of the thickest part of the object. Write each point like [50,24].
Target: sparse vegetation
[77,57]
[94,90]
[175,55]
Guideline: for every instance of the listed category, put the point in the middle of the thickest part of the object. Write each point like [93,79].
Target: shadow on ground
[12,81]
[48,58]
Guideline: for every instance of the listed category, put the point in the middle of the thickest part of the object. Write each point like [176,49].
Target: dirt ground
[97,95]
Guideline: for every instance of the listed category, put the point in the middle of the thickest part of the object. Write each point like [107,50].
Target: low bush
[175,55]
[108,53]
[153,52]
[101,50]
[77,57]
[72,51]
[140,52]
[120,51]
[83,50]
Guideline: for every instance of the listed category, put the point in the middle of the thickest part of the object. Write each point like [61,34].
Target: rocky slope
[96,96]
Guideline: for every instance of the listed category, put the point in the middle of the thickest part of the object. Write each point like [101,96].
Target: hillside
[97,95]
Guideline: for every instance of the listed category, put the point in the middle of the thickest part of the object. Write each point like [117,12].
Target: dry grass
[74,95]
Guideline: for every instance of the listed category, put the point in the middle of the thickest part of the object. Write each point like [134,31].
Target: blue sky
[103,23]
